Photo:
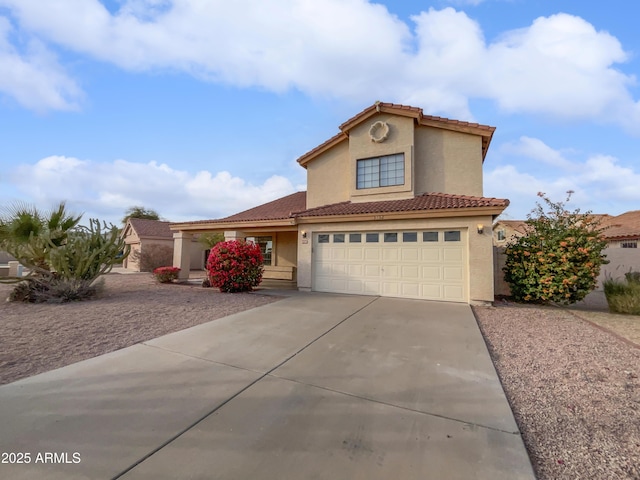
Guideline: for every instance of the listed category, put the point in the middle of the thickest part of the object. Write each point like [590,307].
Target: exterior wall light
[480,229]
[304,234]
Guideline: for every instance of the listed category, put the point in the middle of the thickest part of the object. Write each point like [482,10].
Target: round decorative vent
[379,132]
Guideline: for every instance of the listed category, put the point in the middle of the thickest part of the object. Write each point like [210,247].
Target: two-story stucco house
[393,207]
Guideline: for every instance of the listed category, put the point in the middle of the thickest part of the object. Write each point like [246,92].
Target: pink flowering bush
[166,274]
[235,266]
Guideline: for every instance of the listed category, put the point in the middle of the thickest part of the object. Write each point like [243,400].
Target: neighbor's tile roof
[151,228]
[426,201]
[626,225]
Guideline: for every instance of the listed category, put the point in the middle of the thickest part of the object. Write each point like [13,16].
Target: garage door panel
[433,270]
[338,254]
[430,254]
[409,271]
[339,269]
[410,289]
[453,293]
[370,287]
[390,289]
[452,254]
[452,273]
[372,254]
[355,254]
[390,254]
[371,270]
[355,270]
[410,254]
[390,271]
[430,290]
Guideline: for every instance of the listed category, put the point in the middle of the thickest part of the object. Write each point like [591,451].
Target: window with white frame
[629,244]
[383,171]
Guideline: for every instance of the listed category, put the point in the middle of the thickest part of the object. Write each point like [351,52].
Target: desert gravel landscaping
[571,376]
[131,309]
[574,389]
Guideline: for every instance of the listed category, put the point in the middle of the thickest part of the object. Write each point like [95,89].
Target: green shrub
[623,296]
[235,266]
[558,259]
[64,258]
[166,274]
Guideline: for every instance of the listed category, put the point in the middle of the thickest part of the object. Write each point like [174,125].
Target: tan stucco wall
[436,160]
[399,140]
[328,177]
[286,249]
[447,162]
[480,253]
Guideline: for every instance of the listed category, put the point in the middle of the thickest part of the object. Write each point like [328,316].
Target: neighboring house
[154,237]
[622,233]
[394,207]
[506,230]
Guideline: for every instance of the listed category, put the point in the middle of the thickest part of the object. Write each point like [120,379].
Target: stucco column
[182,254]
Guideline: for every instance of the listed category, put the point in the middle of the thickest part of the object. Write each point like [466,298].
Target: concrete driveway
[313,386]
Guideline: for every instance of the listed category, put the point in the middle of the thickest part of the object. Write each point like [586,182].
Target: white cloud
[353,49]
[598,181]
[107,189]
[34,78]
[539,151]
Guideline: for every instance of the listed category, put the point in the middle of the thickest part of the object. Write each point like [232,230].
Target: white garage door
[425,264]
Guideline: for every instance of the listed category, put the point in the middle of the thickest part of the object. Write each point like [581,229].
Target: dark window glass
[410,236]
[338,238]
[355,237]
[380,171]
[390,237]
[372,237]
[452,236]
[266,247]
[323,238]
[429,236]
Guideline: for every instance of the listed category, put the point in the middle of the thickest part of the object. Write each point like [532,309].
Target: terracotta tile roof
[151,228]
[279,209]
[426,201]
[626,225]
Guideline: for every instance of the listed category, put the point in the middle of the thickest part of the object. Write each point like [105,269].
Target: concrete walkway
[313,386]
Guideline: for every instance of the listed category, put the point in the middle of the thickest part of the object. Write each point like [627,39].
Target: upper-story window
[380,171]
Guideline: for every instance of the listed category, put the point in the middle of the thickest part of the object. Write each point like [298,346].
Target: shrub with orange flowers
[558,260]
[235,266]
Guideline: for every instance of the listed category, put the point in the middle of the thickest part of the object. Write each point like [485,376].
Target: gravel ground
[131,309]
[574,390]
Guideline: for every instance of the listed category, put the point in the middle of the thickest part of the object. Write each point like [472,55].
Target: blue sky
[199,108]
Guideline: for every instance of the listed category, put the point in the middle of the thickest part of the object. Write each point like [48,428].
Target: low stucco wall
[621,260]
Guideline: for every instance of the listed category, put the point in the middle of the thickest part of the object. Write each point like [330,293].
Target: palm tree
[26,232]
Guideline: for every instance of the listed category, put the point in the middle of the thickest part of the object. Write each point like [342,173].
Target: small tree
[140,212]
[235,266]
[559,257]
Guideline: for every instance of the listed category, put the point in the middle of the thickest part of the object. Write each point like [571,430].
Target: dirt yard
[131,309]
